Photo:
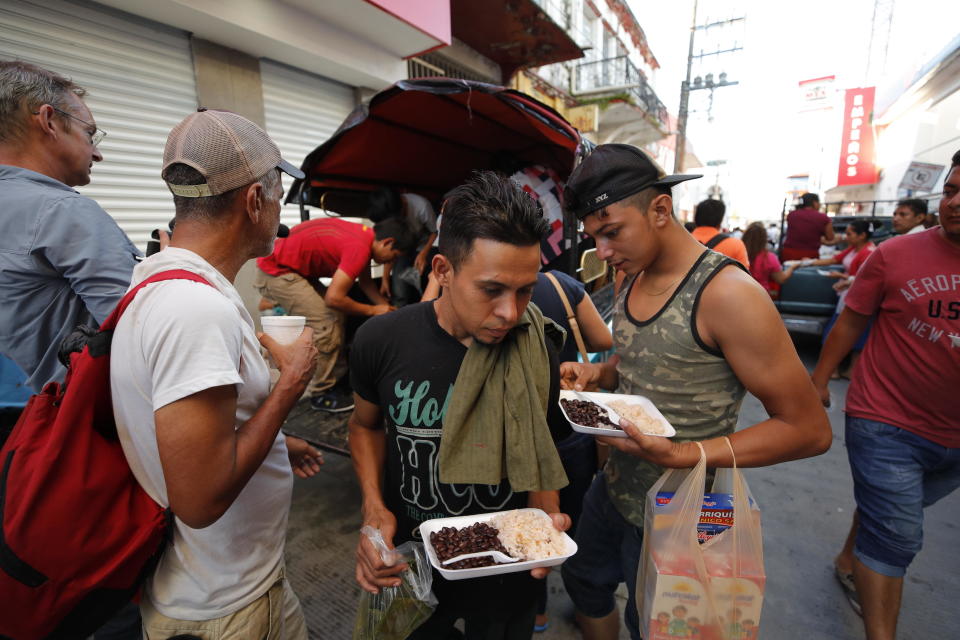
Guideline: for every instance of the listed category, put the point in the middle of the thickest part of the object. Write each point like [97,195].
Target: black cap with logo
[611,173]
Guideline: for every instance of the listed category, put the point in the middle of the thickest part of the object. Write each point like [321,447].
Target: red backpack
[78,535]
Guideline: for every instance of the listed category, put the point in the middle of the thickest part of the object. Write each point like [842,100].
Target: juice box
[679,605]
[716,516]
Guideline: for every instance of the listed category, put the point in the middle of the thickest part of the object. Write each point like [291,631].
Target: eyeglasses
[96,135]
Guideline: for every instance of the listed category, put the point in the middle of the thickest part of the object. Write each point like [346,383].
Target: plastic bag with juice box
[700,591]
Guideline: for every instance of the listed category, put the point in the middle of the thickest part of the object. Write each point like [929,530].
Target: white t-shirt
[175,339]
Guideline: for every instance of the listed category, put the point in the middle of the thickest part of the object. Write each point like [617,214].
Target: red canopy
[426,136]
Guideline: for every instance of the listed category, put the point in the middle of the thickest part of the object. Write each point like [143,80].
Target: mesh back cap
[226,148]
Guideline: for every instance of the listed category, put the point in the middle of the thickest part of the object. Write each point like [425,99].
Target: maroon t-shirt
[909,373]
[804,228]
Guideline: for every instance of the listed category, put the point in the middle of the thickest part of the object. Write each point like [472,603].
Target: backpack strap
[174,274]
[717,239]
[571,316]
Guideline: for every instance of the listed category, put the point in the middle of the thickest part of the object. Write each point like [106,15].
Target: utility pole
[880,28]
[699,83]
[681,146]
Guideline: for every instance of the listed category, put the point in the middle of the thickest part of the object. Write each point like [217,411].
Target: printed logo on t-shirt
[417,417]
[938,307]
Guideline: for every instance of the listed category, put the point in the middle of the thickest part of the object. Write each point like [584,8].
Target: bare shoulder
[733,303]
[732,286]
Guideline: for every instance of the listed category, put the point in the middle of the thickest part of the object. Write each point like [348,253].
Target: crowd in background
[199,418]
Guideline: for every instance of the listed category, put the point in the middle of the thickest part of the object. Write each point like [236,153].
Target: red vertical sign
[857,165]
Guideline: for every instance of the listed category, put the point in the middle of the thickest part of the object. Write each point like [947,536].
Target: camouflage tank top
[665,360]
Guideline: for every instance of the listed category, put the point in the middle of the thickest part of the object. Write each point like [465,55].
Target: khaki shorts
[276,615]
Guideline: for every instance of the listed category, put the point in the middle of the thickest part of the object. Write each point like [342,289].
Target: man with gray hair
[197,419]
[63,259]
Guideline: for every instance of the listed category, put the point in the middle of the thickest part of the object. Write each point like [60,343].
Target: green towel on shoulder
[496,424]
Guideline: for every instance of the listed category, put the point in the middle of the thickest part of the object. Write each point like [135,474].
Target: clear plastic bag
[690,590]
[395,612]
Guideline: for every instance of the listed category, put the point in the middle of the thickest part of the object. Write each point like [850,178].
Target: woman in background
[764,265]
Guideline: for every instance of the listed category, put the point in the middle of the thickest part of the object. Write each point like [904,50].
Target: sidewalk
[806,514]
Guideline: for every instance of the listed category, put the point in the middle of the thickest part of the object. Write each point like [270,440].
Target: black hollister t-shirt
[405,363]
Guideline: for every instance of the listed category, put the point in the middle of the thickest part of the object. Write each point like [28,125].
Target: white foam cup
[283,329]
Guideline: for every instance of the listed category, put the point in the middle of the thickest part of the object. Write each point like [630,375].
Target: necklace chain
[663,291]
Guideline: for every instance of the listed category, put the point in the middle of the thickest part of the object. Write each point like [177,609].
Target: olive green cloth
[496,424]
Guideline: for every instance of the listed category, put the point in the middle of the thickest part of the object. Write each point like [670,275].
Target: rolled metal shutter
[302,110]
[140,79]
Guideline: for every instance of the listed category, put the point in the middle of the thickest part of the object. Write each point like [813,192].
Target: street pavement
[806,507]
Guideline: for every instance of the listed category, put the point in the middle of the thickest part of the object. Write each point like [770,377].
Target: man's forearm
[255,437]
[766,443]
[349,306]
[371,290]
[846,330]
[229,463]
[368,453]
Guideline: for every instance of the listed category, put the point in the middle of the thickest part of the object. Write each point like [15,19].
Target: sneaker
[332,401]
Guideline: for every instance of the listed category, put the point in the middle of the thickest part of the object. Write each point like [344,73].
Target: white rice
[529,535]
[638,416]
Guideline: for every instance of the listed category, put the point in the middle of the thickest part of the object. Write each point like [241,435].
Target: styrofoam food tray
[604,398]
[458,522]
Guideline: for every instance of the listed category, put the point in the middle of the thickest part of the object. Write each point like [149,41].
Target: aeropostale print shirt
[909,372]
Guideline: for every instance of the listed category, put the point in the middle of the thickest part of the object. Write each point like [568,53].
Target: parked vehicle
[807,300]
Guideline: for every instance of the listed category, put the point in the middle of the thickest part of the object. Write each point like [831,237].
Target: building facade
[297,68]
[912,120]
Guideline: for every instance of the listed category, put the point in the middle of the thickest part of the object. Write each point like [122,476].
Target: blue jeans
[896,474]
[608,554]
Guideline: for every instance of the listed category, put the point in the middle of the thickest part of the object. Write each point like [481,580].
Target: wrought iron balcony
[619,75]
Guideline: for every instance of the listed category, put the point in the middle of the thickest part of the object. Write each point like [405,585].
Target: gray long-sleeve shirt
[63,262]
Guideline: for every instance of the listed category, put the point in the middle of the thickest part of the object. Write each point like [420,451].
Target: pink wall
[432,17]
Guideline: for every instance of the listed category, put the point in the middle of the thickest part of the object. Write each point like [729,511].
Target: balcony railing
[432,65]
[558,10]
[619,75]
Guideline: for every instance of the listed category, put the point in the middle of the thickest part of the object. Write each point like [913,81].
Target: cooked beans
[450,542]
[587,414]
